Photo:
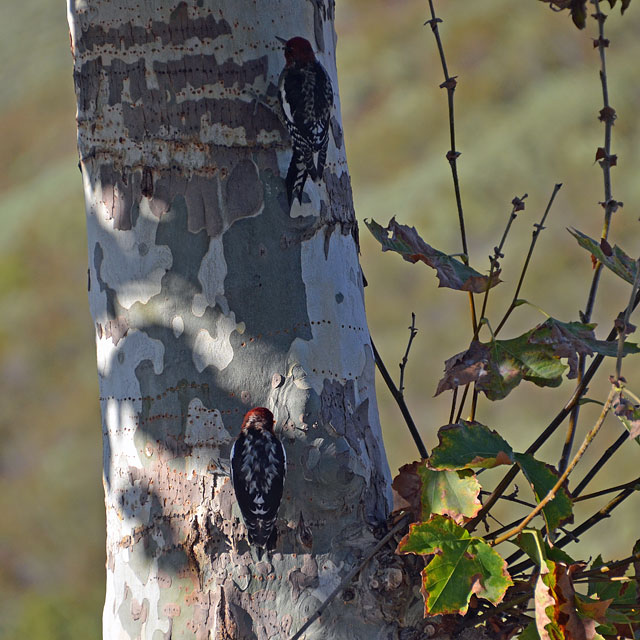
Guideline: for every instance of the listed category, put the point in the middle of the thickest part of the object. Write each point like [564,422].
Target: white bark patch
[205,432]
[120,392]
[339,329]
[328,578]
[216,352]
[133,265]
[124,577]
[213,271]
[177,324]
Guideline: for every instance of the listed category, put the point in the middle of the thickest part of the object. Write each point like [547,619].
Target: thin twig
[510,498]
[537,228]
[452,155]
[350,576]
[607,116]
[552,494]
[454,398]
[599,464]
[462,401]
[596,494]
[517,205]
[412,334]
[398,397]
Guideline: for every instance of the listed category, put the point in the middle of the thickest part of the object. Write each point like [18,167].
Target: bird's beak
[281,40]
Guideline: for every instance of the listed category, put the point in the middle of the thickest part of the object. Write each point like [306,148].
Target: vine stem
[552,494]
[350,576]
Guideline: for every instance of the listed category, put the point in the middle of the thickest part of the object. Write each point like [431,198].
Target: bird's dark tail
[322,158]
[296,177]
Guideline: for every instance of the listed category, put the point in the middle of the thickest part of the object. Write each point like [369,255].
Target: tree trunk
[209,297]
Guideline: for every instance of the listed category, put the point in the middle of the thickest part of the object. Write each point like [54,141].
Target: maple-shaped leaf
[498,367]
[614,258]
[542,477]
[461,566]
[451,272]
[469,445]
[628,413]
[577,8]
[424,491]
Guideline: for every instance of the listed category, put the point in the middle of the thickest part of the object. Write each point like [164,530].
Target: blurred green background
[526,109]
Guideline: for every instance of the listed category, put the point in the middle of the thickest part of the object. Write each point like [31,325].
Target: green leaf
[451,272]
[450,493]
[619,262]
[542,478]
[529,632]
[498,367]
[426,491]
[469,445]
[461,566]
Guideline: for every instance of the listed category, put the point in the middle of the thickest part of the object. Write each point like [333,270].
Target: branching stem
[412,334]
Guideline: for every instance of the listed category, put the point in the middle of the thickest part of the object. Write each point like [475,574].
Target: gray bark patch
[177,31]
[243,191]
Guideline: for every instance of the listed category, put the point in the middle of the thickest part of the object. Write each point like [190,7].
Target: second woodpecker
[306,98]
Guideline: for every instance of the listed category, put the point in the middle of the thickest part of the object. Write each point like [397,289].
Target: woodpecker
[306,98]
[258,468]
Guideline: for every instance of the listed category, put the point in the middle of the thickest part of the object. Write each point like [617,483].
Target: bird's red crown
[258,418]
[298,50]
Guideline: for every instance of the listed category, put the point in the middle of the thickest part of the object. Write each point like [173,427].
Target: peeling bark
[210,296]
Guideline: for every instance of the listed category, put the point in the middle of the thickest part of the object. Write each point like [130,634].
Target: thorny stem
[349,577]
[607,116]
[548,432]
[603,513]
[537,228]
[552,494]
[452,155]
[412,334]
[596,494]
[399,398]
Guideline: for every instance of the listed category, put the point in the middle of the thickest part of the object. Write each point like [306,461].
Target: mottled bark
[209,297]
